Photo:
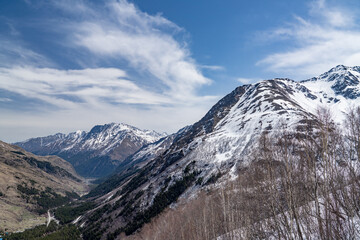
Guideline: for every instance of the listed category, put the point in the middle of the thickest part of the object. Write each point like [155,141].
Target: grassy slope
[17,213]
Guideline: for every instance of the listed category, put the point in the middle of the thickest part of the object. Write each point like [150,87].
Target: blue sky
[160,64]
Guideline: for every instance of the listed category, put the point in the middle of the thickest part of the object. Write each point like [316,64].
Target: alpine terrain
[95,153]
[213,150]
[31,185]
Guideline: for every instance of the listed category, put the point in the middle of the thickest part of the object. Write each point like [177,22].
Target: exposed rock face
[344,81]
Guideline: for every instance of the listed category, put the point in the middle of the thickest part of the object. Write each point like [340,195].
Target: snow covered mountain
[216,146]
[95,153]
[340,81]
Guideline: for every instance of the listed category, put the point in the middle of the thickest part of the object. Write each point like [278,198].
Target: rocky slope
[30,185]
[95,153]
[213,148]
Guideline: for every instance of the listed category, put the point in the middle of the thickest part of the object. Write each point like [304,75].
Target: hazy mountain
[95,153]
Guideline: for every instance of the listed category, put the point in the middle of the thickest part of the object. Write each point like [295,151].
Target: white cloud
[5,100]
[326,39]
[84,98]
[247,80]
[335,16]
[18,126]
[146,42]
[89,86]
[12,52]
[13,30]
[213,67]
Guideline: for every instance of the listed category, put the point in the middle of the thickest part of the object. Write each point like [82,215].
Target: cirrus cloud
[88,86]
[132,67]
[328,37]
[146,42]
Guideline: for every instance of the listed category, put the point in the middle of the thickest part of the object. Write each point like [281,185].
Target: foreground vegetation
[51,232]
[68,213]
[45,199]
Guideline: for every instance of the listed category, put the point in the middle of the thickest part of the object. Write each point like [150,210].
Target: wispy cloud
[13,52]
[327,37]
[83,98]
[248,80]
[66,88]
[139,45]
[148,43]
[118,32]
[5,100]
[213,67]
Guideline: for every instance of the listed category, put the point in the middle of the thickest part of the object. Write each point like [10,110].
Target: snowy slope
[97,152]
[338,89]
[267,104]
[220,142]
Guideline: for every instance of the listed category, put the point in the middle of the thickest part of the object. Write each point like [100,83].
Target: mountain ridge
[32,184]
[216,146]
[94,153]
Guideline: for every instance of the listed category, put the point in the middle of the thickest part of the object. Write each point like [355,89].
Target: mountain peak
[339,67]
[343,80]
[343,68]
[338,72]
[108,144]
[219,146]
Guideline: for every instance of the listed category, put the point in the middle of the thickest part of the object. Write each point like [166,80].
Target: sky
[67,65]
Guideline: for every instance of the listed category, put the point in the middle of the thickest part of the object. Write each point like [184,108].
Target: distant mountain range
[214,148]
[95,153]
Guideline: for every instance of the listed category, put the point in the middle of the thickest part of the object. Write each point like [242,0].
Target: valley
[179,120]
[244,137]
[30,185]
